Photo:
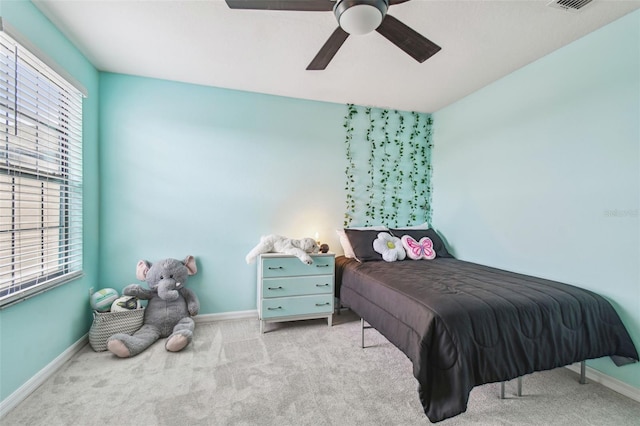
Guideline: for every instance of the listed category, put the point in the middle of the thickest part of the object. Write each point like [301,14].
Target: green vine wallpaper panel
[388,169]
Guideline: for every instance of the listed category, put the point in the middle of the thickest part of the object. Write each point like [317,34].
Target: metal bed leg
[583,380]
[362,327]
[583,372]
[519,389]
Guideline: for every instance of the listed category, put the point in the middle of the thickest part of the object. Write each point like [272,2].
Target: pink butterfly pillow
[417,250]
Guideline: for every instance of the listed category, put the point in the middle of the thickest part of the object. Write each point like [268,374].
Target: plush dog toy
[169,311]
[277,244]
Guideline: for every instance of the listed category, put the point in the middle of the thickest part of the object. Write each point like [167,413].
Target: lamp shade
[360,17]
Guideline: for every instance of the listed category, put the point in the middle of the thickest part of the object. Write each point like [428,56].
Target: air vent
[569,5]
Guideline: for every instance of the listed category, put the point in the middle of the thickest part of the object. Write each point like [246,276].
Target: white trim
[39,378]
[226,316]
[15,34]
[10,402]
[608,381]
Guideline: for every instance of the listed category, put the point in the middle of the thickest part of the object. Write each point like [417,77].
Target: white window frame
[40,172]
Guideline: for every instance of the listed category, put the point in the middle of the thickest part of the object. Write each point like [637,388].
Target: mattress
[462,324]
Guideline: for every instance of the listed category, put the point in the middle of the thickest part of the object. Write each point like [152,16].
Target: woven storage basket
[106,324]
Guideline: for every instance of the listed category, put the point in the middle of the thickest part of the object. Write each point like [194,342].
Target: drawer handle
[322,304]
[322,266]
[275,288]
[275,267]
[322,285]
[274,309]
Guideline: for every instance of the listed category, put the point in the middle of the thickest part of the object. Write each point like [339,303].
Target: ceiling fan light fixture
[359,17]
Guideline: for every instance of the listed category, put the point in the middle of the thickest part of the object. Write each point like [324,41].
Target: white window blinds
[40,175]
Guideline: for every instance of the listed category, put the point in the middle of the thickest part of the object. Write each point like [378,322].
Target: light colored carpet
[298,373]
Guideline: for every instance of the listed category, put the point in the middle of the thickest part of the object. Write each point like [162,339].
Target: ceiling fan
[354,17]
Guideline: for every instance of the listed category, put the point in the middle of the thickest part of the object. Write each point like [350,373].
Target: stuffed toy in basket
[106,324]
[169,311]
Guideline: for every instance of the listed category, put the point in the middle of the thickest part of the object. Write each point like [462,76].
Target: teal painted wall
[188,169]
[544,160]
[33,333]
[540,172]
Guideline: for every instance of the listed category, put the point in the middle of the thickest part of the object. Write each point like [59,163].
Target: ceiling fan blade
[328,50]
[414,44]
[299,5]
[392,2]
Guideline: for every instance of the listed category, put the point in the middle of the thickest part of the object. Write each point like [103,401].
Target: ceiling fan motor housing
[360,16]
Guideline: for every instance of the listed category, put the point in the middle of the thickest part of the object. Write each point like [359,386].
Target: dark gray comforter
[463,324]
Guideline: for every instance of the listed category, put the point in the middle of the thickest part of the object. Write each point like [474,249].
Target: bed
[462,324]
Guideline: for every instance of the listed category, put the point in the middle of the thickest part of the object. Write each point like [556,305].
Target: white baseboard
[608,381]
[39,378]
[226,316]
[10,402]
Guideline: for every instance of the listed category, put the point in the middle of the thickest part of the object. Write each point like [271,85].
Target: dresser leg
[329,320]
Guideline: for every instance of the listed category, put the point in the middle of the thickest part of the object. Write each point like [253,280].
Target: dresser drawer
[292,266]
[297,286]
[289,290]
[297,305]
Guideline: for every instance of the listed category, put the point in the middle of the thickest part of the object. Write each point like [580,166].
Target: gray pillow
[362,243]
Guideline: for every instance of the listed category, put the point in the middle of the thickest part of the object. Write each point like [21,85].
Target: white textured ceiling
[205,42]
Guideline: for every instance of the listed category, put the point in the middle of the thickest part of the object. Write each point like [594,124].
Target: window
[40,175]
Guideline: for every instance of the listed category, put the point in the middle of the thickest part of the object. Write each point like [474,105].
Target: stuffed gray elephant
[169,311]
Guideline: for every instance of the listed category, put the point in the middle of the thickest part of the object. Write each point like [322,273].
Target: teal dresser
[290,290]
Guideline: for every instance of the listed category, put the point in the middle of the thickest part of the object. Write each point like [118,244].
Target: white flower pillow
[389,247]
